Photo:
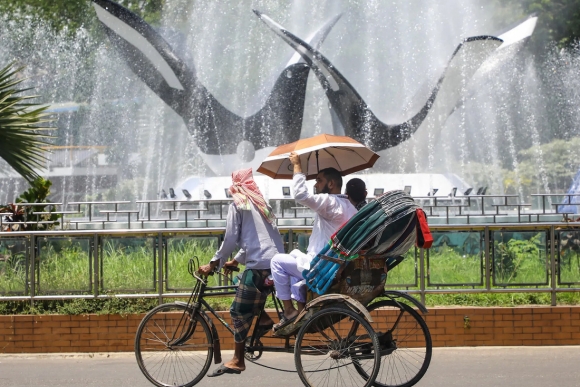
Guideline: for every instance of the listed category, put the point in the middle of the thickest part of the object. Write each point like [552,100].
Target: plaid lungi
[250,297]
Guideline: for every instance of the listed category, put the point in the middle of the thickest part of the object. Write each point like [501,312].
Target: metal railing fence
[487,258]
[196,213]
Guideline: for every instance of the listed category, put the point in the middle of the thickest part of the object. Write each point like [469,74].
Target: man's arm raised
[317,203]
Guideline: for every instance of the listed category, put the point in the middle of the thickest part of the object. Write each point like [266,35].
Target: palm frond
[23,133]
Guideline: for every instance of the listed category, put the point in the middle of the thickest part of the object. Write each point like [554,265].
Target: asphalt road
[450,367]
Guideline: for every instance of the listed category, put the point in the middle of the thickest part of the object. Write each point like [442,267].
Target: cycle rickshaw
[352,332]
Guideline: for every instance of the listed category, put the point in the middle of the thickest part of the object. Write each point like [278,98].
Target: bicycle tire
[341,354]
[406,349]
[164,364]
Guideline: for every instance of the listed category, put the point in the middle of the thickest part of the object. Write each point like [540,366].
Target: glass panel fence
[63,265]
[13,265]
[520,258]
[456,259]
[179,250]
[300,240]
[128,263]
[568,257]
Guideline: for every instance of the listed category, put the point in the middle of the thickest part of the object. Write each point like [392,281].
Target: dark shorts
[249,300]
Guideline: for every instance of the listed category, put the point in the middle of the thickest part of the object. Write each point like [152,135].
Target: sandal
[222,369]
[284,321]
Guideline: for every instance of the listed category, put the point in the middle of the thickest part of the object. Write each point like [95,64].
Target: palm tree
[22,135]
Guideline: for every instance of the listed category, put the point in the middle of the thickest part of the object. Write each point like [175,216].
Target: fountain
[119,138]
[222,137]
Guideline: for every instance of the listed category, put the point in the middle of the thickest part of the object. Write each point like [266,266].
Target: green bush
[79,306]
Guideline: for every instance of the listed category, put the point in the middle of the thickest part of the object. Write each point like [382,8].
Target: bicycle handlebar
[193,267]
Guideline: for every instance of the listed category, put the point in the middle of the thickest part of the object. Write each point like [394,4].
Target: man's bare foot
[288,318]
[235,366]
[290,314]
[301,306]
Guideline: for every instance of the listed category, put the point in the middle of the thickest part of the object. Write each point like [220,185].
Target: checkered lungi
[249,300]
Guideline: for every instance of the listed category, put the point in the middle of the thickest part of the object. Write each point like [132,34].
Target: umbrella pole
[317,166]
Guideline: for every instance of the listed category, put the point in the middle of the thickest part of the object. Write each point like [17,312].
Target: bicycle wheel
[405,344]
[329,345]
[171,349]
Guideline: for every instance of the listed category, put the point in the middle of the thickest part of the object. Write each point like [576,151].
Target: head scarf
[245,190]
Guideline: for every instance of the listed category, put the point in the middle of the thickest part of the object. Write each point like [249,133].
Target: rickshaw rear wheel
[333,345]
[405,344]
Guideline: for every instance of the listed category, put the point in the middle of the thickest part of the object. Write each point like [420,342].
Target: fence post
[32,269]
[487,258]
[422,274]
[553,264]
[96,274]
[160,245]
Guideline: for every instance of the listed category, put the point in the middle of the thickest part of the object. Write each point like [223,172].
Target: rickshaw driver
[332,211]
[251,226]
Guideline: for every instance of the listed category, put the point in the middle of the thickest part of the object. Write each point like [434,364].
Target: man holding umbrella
[332,211]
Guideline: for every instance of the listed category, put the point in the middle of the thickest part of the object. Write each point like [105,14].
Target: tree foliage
[559,20]
[557,160]
[72,14]
[149,10]
[69,14]
[548,167]
[21,137]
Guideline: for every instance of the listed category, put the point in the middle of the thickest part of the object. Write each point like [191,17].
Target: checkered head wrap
[245,190]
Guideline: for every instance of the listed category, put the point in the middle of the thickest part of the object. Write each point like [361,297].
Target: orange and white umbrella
[319,152]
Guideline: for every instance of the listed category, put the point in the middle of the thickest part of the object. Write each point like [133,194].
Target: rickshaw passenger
[251,226]
[356,190]
[332,211]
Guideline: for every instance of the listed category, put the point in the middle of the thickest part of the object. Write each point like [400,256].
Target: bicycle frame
[198,304]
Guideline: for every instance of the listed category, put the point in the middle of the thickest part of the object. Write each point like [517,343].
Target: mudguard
[393,294]
[330,299]
[217,353]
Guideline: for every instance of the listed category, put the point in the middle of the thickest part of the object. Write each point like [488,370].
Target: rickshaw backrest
[362,279]
[370,244]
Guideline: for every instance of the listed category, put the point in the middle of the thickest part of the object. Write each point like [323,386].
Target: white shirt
[332,211]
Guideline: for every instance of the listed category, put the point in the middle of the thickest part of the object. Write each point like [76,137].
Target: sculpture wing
[519,32]
[217,130]
[358,121]
[152,59]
